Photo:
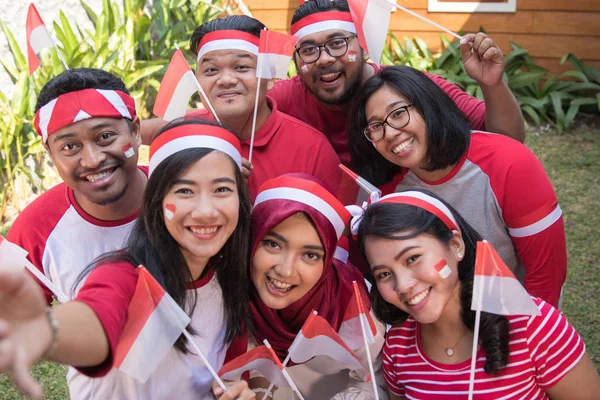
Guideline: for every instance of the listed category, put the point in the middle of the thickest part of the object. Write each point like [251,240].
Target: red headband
[228,40]
[72,107]
[323,21]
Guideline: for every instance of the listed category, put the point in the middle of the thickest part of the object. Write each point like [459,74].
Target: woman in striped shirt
[422,255]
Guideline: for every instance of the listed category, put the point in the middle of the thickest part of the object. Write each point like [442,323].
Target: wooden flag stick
[422,18]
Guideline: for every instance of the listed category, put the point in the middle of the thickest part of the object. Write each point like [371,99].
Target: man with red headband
[331,67]
[88,124]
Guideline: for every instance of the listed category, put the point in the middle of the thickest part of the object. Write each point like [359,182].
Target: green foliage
[544,98]
[131,39]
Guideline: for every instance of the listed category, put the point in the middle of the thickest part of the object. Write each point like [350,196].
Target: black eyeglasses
[397,119]
[335,47]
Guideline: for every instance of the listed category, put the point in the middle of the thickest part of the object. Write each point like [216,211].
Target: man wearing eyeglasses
[331,67]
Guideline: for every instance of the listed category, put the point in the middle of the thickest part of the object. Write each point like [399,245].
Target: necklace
[449,350]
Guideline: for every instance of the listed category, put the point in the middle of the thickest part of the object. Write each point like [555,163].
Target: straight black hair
[73,80]
[315,6]
[151,245]
[447,128]
[233,22]
[403,221]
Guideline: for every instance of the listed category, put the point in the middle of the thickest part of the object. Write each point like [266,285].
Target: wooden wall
[548,29]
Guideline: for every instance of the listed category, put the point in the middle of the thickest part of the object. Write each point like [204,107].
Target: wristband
[54,327]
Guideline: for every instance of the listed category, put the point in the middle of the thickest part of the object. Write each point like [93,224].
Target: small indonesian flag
[351,330]
[443,269]
[11,255]
[38,38]
[495,288]
[275,52]
[372,20]
[354,189]
[259,359]
[128,150]
[176,88]
[154,323]
[317,338]
[342,250]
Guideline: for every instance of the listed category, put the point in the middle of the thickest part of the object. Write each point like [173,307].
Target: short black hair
[233,22]
[448,132]
[73,80]
[315,6]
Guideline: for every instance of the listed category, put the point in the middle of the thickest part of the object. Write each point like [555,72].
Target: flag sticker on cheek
[304,68]
[170,211]
[352,56]
[443,269]
[128,150]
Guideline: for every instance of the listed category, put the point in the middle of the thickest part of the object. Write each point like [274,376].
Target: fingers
[237,390]
[13,360]
[481,45]
[246,168]
[11,280]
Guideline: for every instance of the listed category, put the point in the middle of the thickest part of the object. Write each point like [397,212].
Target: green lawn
[573,163]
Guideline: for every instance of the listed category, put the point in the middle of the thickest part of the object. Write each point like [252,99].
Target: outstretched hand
[482,58]
[237,390]
[25,332]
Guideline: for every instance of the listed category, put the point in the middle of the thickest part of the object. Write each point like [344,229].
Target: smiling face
[332,80]
[201,208]
[408,273]
[90,158]
[405,147]
[229,79]
[288,262]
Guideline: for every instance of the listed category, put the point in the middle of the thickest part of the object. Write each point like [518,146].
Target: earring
[459,255]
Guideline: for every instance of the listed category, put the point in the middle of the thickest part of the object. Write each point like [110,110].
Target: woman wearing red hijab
[296,224]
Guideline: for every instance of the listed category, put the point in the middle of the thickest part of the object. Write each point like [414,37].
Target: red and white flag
[38,38]
[11,255]
[495,288]
[372,20]
[176,88]
[354,189]
[154,323]
[275,52]
[350,330]
[259,359]
[317,338]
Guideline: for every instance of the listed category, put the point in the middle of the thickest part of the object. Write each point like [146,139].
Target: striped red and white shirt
[542,350]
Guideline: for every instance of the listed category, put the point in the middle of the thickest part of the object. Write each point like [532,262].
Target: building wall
[548,29]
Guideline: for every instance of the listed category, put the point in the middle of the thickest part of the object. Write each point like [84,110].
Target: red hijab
[278,199]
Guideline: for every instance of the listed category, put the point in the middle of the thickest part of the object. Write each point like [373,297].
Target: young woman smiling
[405,237]
[296,224]
[406,133]
[191,235]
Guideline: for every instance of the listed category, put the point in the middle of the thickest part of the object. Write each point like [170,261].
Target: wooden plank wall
[548,29]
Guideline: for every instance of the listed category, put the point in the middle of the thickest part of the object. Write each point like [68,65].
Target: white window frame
[472,7]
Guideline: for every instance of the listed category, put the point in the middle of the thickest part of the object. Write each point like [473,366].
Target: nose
[227,79]
[285,267]
[393,131]
[92,157]
[204,210]
[404,282]
[324,57]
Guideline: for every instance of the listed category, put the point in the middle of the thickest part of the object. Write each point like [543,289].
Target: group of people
[248,251]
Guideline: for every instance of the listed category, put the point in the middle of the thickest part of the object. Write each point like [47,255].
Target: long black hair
[151,245]
[448,131]
[403,221]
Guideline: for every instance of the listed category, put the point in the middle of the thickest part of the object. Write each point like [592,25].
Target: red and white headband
[323,21]
[72,107]
[191,136]
[228,40]
[413,198]
[306,192]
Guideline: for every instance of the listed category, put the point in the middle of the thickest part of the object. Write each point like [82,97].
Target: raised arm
[483,61]
[150,128]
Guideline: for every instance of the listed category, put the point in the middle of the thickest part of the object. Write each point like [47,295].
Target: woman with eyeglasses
[406,133]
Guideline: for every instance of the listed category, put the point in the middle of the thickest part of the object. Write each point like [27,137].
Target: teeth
[96,177]
[418,298]
[204,231]
[279,285]
[403,146]
[330,76]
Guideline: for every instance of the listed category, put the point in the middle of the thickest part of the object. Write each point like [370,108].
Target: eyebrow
[284,240]
[330,36]
[238,55]
[63,136]
[389,108]
[182,181]
[398,256]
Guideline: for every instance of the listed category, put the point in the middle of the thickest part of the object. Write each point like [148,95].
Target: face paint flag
[176,88]
[443,269]
[351,330]
[38,38]
[275,52]
[372,20]
[170,211]
[495,288]
[154,323]
[128,150]
[317,338]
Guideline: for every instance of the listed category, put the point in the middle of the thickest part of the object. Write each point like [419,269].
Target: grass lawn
[573,163]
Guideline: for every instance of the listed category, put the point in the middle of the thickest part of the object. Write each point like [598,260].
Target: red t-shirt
[285,145]
[294,99]
[542,350]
